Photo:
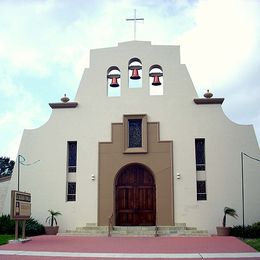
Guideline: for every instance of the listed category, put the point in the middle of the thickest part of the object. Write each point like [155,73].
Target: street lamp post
[243,193]
[18,173]
[243,187]
[19,170]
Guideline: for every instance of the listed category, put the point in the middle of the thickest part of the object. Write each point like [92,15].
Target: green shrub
[256,227]
[7,226]
[33,227]
[250,231]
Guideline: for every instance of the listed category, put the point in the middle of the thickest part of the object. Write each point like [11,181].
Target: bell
[156,78]
[156,81]
[135,74]
[114,83]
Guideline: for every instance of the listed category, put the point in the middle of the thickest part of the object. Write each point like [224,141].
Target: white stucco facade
[4,184]
[181,121]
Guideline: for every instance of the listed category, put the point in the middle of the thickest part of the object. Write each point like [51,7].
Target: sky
[44,49]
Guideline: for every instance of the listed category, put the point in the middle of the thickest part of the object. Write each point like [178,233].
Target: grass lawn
[255,243]
[4,239]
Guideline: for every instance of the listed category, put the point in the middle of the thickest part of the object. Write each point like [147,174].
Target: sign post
[20,210]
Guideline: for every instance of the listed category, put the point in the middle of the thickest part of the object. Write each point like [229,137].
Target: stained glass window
[201,190]
[134,133]
[71,196]
[72,156]
[200,154]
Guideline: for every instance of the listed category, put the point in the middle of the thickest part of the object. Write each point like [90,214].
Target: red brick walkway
[127,248]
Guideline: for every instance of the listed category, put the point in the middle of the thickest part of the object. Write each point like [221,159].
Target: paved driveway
[83,247]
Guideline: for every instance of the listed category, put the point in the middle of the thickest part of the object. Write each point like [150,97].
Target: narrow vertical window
[72,156]
[71,191]
[200,168]
[200,154]
[135,133]
[201,190]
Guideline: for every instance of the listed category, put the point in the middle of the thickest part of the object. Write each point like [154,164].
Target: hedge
[250,231]
[33,227]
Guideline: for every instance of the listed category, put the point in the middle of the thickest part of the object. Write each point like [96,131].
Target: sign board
[20,205]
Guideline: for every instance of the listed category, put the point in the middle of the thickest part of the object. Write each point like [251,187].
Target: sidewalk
[80,247]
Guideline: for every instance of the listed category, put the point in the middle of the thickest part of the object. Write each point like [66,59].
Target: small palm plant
[52,218]
[228,211]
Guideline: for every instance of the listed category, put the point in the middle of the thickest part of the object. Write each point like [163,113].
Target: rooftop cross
[135,20]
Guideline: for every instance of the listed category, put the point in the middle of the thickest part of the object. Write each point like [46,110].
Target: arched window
[113,82]
[135,73]
[156,80]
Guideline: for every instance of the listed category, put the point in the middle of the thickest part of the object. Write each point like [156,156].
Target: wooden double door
[135,197]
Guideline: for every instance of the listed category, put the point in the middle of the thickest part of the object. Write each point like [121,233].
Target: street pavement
[85,247]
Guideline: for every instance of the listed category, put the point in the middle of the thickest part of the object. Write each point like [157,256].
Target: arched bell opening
[135,73]
[156,80]
[113,82]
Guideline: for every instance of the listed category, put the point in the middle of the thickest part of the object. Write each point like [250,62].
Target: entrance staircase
[178,230]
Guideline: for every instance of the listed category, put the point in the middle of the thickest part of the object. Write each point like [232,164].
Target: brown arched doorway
[135,196]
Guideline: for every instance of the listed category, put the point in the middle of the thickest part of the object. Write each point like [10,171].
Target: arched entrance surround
[135,196]
[158,158]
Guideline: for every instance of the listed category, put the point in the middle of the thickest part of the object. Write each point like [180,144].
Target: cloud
[222,54]
[20,110]
[224,39]
[44,48]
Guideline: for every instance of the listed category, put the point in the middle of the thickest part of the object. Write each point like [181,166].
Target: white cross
[135,19]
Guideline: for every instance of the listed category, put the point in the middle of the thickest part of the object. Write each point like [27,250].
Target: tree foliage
[52,218]
[230,212]
[6,166]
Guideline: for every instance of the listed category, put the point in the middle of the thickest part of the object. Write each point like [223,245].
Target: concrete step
[88,230]
[177,230]
[133,231]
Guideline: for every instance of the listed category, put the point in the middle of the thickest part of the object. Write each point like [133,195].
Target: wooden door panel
[125,218]
[121,202]
[145,198]
[135,197]
[146,219]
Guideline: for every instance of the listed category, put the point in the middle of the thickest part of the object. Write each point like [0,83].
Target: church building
[138,144]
